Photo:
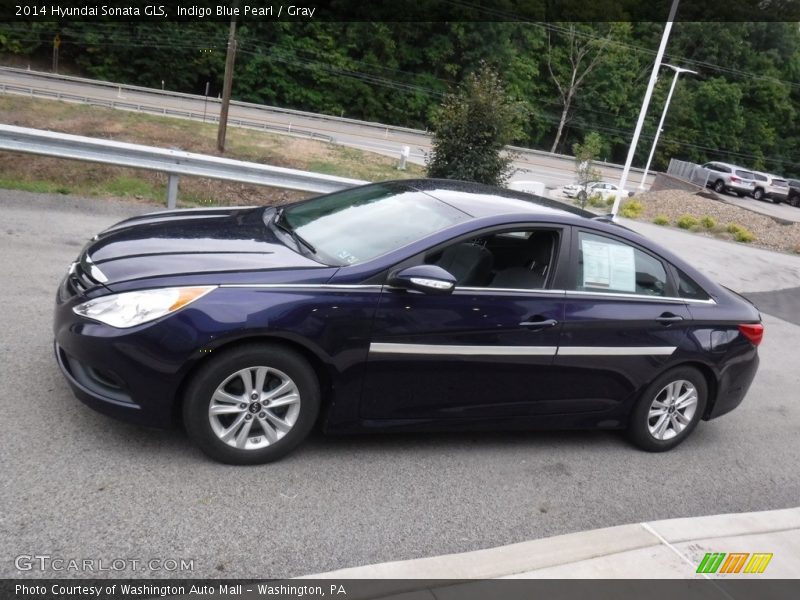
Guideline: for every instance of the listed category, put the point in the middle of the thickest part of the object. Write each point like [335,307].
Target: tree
[585,155]
[472,127]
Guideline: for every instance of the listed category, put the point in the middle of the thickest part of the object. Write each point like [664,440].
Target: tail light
[735,179]
[753,332]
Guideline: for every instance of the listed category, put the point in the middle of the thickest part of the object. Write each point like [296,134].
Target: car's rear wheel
[758,194]
[252,404]
[669,410]
[719,186]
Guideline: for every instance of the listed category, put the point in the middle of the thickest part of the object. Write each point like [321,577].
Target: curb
[523,559]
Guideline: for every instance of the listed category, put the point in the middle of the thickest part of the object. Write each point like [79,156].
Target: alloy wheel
[254,408]
[672,409]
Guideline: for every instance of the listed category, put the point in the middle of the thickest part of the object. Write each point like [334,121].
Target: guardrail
[163,111]
[172,162]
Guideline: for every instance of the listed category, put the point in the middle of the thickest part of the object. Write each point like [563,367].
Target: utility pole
[56,45]
[226,87]
[623,180]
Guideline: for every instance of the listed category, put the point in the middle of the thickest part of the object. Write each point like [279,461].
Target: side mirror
[428,279]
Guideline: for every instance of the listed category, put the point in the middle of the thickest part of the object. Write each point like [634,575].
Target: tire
[255,434]
[582,196]
[758,194]
[719,186]
[643,429]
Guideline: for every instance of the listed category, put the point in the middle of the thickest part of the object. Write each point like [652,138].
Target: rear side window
[688,288]
[760,177]
[744,174]
[608,265]
[779,183]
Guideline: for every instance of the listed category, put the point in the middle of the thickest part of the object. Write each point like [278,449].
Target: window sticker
[608,266]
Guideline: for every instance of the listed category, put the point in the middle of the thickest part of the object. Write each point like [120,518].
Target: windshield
[358,224]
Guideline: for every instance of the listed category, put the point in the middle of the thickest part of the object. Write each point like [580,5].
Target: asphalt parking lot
[80,485]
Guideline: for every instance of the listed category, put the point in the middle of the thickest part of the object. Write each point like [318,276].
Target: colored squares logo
[734,562]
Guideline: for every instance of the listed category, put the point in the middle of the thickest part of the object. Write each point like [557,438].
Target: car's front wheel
[719,186]
[669,410]
[252,404]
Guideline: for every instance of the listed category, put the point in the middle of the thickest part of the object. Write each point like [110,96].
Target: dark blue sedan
[411,305]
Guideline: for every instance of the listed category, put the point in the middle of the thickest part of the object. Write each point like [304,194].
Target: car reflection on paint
[411,305]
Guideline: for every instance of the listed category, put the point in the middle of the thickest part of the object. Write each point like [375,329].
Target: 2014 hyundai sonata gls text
[413,305]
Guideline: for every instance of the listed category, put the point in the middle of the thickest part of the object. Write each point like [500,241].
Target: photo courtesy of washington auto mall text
[176,589]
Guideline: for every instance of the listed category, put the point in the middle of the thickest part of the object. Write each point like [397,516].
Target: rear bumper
[734,385]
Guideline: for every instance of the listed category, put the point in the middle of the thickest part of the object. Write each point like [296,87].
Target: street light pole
[678,71]
[623,180]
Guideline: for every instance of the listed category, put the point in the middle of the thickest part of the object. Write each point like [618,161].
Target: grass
[661,220]
[687,222]
[740,234]
[631,209]
[49,175]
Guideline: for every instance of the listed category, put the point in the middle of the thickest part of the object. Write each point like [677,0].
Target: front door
[486,351]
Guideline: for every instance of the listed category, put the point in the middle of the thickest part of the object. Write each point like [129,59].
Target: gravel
[673,204]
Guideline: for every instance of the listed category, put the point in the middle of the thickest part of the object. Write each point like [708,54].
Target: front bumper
[130,374]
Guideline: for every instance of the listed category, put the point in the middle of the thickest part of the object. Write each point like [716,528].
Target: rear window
[744,174]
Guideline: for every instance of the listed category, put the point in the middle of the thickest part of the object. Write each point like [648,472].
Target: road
[78,484]
[553,170]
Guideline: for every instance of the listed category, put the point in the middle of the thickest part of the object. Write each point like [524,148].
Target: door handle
[667,318]
[539,324]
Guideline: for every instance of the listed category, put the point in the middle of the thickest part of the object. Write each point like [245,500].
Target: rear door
[622,321]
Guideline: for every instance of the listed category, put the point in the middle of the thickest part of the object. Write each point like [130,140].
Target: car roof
[478,200]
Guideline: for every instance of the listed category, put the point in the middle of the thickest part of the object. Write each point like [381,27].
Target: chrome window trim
[472,290]
[303,286]
[622,295]
[459,350]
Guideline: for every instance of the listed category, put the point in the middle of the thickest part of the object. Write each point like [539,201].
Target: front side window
[608,265]
[521,259]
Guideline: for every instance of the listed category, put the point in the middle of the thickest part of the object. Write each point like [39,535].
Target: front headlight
[134,308]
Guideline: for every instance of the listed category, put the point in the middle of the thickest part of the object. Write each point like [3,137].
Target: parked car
[793,197]
[408,305]
[770,187]
[602,188]
[727,178]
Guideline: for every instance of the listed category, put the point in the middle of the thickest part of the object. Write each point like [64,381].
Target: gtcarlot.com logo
[734,562]
[59,564]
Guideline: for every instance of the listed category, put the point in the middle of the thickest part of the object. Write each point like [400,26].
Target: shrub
[708,222]
[687,222]
[740,234]
[471,129]
[631,209]
[596,200]
[661,220]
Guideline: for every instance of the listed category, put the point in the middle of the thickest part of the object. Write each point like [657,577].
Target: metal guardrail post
[172,191]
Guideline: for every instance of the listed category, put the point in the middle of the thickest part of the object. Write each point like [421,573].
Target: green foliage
[661,220]
[708,222]
[744,107]
[631,209]
[472,127]
[740,234]
[687,222]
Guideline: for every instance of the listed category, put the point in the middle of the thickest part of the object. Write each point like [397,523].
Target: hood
[187,242]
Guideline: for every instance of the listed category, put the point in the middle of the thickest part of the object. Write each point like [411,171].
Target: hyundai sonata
[410,305]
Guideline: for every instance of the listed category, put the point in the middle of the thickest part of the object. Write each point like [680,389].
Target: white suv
[724,177]
[770,186]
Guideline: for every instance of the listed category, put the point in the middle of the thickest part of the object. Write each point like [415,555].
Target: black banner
[364,589]
[396,10]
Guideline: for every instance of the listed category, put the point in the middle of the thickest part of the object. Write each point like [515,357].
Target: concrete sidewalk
[670,549]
